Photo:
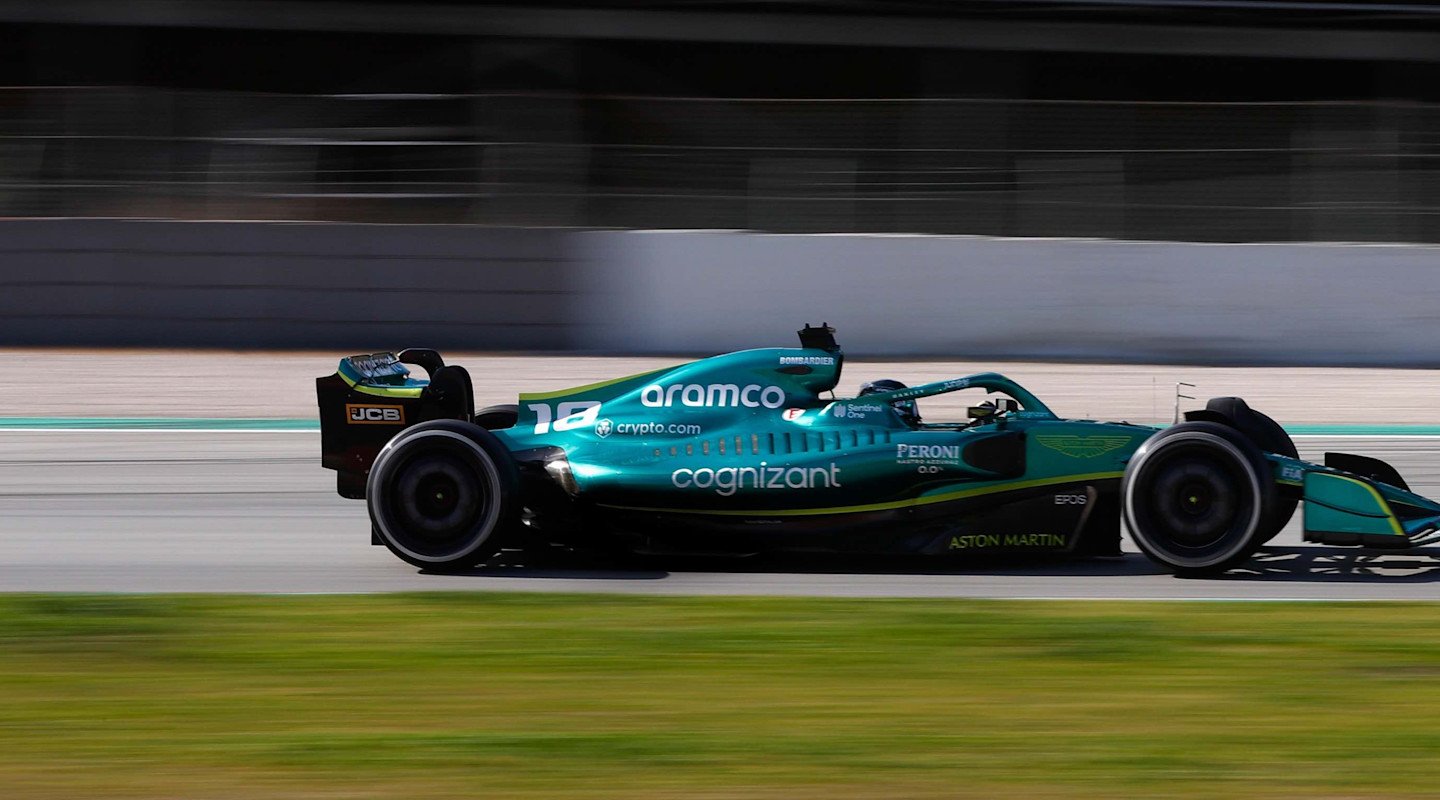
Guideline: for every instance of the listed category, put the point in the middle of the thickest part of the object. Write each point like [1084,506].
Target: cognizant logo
[727,480]
[716,394]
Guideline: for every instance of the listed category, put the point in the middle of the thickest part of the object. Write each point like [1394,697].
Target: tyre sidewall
[1280,443]
[1269,436]
[495,418]
[491,464]
[1255,478]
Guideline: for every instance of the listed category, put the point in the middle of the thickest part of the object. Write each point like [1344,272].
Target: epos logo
[374,415]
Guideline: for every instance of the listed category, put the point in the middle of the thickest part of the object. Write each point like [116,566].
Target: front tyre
[1267,434]
[442,494]
[1197,498]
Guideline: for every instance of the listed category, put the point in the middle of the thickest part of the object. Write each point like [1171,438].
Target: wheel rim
[438,498]
[1194,500]
[435,497]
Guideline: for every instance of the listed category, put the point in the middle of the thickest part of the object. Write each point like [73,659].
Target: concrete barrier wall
[357,287]
[1026,298]
[246,285]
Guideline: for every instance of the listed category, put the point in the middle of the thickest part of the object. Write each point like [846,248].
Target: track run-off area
[245,507]
[193,471]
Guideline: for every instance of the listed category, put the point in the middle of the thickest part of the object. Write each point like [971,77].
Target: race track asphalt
[189,511]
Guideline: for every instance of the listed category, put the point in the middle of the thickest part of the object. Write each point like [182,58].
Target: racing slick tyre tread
[1284,508]
[1198,498]
[497,418]
[1270,437]
[442,495]
[1278,518]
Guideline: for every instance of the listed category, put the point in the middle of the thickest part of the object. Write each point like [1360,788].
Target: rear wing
[371,397]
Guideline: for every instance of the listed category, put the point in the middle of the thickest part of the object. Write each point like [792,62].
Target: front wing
[1354,500]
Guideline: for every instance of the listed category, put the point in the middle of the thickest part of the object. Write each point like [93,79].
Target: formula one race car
[740,453]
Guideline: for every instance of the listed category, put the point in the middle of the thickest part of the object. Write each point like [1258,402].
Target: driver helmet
[908,411]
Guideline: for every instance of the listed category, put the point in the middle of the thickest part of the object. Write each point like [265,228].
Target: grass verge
[505,695]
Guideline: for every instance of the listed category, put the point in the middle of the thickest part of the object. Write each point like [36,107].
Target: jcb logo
[374,415]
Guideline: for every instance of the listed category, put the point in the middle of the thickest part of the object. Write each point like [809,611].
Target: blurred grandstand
[1135,119]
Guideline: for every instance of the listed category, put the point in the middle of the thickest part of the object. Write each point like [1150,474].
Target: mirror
[990,408]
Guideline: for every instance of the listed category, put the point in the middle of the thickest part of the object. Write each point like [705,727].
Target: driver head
[908,411]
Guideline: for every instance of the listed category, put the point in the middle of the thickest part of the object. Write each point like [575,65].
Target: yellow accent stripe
[390,391]
[958,494]
[1389,514]
[590,387]
[382,391]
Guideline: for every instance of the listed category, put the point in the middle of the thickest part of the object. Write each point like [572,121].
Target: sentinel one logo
[727,480]
[716,394]
[856,410]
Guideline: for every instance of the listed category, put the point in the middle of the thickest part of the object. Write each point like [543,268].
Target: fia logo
[604,427]
[374,415]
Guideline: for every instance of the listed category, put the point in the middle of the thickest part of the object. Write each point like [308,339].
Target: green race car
[751,452]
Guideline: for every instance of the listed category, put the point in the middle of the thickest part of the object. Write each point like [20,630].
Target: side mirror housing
[990,408]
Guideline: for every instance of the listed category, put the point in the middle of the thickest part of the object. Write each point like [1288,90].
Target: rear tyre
[1198,498]
[497,418]
[441,495]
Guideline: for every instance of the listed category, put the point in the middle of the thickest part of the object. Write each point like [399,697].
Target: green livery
[754,451]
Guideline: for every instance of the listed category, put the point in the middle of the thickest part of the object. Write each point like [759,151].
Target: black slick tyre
[442,495]
[496,418]
[1269,436]
[1279,442]
[1278,518]
[1198,498]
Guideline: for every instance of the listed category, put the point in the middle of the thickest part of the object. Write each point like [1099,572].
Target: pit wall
[358,287]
